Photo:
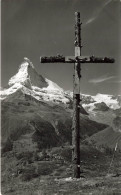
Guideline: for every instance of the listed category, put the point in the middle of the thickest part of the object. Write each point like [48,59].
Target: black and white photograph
[60,94]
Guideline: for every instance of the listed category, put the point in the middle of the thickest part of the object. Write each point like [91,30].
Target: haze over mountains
[37,114]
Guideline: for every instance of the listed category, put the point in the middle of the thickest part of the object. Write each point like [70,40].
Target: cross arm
[73,59]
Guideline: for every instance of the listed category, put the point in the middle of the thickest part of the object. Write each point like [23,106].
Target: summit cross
[77,60]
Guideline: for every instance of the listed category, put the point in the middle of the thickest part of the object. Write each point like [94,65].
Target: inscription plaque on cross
[77,60]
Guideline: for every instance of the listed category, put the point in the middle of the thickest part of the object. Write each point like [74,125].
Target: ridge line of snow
[52,86]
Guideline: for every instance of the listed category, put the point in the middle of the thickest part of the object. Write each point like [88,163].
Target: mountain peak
[27,76]
[29,62]
[30,82]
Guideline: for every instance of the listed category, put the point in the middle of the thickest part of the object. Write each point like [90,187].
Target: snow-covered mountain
[102,107]
[36,111]
[113,102]
[31,83]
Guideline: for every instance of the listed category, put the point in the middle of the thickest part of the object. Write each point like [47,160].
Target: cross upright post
[76,101]
[77,60]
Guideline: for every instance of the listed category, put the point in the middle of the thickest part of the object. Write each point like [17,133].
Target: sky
[34,28]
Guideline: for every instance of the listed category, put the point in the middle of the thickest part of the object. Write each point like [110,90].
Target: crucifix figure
[77,60]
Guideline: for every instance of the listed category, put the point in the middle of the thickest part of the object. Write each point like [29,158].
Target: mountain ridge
[30,82]
[31,97]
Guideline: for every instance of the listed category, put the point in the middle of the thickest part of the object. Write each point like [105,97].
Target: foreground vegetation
[50,172]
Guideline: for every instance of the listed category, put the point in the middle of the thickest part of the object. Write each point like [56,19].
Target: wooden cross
[77,60]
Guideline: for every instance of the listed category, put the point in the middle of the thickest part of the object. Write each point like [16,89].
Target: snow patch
[91,106]
[107,99]
[21,76]
[112,103]
[52,86]
[10,90]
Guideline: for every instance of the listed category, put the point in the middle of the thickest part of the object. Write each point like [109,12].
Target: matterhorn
[31,83]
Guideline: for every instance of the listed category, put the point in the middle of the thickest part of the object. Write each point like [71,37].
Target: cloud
[97,12]
[91,20]
[106,3]
[101,79]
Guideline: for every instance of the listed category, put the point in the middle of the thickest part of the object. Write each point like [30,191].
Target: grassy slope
[27,174]
[26,170]
[46,124]
[106,138]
